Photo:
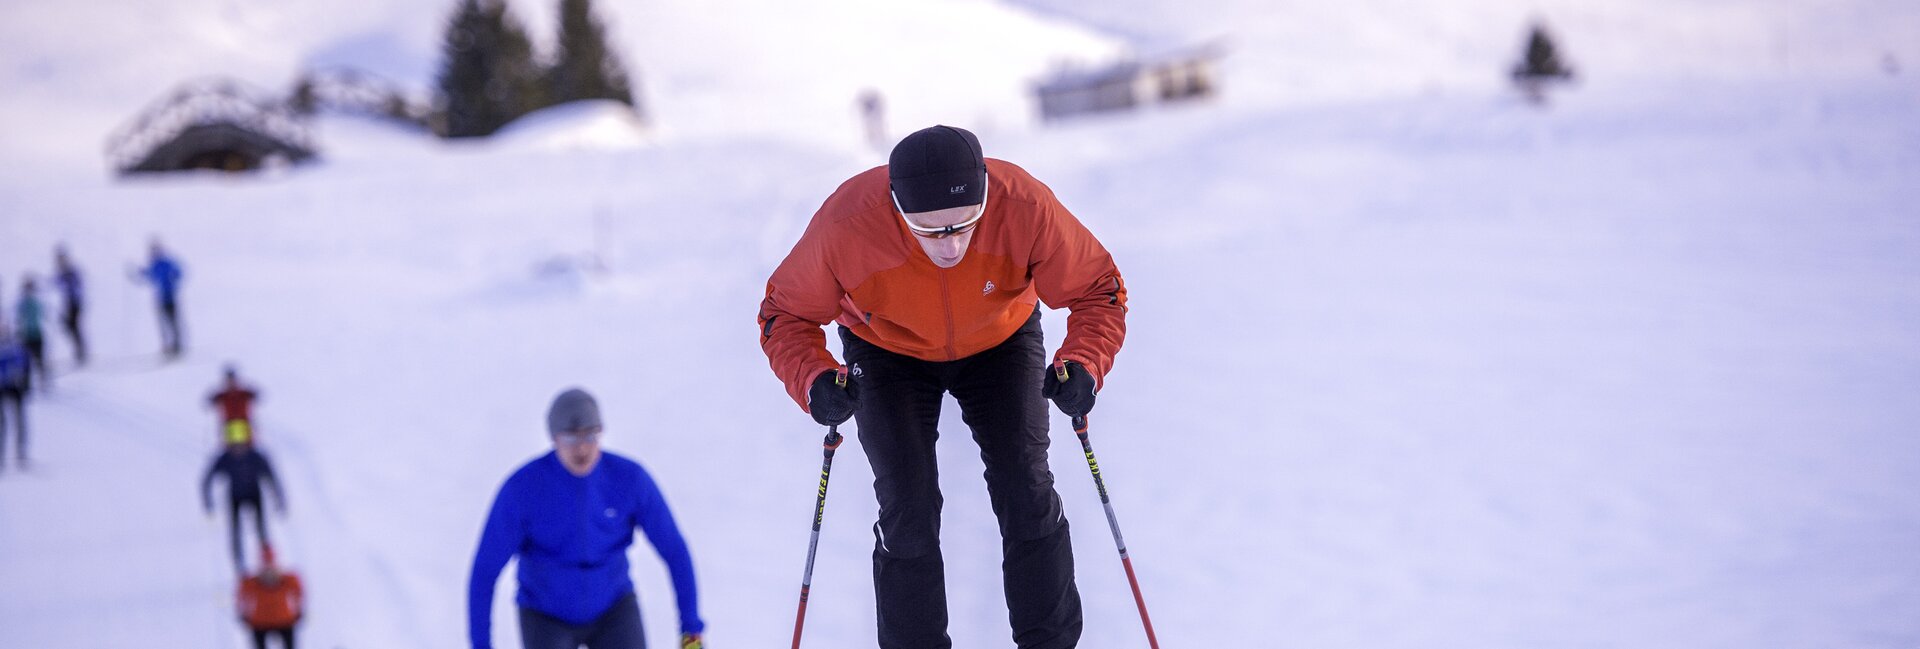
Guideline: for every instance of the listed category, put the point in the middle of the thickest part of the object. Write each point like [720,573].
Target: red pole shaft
[1138,601]
[800,618]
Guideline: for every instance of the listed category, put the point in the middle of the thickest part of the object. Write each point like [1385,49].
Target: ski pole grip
[1060,371]
[840,377]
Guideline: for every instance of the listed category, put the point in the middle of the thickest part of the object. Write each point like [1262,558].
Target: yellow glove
[691,641]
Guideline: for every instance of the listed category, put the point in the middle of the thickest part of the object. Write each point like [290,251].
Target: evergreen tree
[489,76]
[1540,65]
[585,67]
[1542,59]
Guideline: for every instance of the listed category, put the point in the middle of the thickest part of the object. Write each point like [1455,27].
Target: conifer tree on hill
[488,76]
[585,67]
[1541,64]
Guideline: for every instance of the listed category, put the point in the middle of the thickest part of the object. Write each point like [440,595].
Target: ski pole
[1080,429]
[819,514]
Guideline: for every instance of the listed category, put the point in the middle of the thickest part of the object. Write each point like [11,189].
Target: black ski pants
[234,506]
[13,398]
[70,319]
[36,345]
[999,395]
[618,628]
[260,637]
[170,327]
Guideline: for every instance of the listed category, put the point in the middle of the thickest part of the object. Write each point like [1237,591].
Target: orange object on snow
[271,599]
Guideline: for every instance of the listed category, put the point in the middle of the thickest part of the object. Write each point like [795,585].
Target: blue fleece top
[165,274]
[571,534]
[13,365]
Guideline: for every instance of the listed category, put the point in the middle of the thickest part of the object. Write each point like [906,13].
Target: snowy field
[1410,363]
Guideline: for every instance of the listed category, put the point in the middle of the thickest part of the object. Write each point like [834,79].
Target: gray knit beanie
[573,410]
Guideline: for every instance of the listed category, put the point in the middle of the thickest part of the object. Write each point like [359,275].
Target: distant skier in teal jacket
[29,313]
[569,516]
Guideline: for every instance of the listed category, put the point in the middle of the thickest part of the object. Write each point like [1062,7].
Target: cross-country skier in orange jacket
[934,267]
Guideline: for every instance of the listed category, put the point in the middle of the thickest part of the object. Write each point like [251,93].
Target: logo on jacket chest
[987,289]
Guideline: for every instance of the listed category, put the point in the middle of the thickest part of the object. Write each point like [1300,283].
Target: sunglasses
[944,231]
[578,437]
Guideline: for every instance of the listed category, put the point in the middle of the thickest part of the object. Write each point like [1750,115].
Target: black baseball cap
[937,168]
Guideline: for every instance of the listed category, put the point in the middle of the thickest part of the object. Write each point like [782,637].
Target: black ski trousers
[259,523]
[170,328]
[71,320]
[13,399]
[260,637]
[36,345]
[999,395]
[618,628]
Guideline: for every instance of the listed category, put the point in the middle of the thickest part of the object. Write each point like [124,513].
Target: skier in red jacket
[234,401]
[934,266]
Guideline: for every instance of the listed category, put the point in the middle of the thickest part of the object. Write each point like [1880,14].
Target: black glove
[831,404]
[1073,396]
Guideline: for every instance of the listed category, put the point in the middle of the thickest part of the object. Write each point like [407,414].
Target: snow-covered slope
[1405,369]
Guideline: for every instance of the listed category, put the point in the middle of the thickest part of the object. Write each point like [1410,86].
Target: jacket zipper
[946,302]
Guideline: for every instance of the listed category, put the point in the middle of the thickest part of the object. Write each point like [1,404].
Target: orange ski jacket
[859,265]
[271,607]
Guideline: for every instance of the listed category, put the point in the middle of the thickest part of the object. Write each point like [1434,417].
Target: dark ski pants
[70,320]
[618,628]
[999,395]
[170,327]
[36,345]
[259,524]
[260,637]
[14,399]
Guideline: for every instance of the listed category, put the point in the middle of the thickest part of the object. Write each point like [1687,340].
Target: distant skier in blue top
[73,289]
[569,516]
[13,379]
[164,274]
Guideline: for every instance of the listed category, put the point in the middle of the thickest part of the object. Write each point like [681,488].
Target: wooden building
[1174,78]
[216,124]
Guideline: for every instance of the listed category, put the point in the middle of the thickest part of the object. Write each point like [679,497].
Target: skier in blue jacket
[13,388]
[569,516]
[164,274]
[73,289]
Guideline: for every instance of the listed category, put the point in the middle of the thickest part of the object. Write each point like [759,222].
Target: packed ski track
[1410,362]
